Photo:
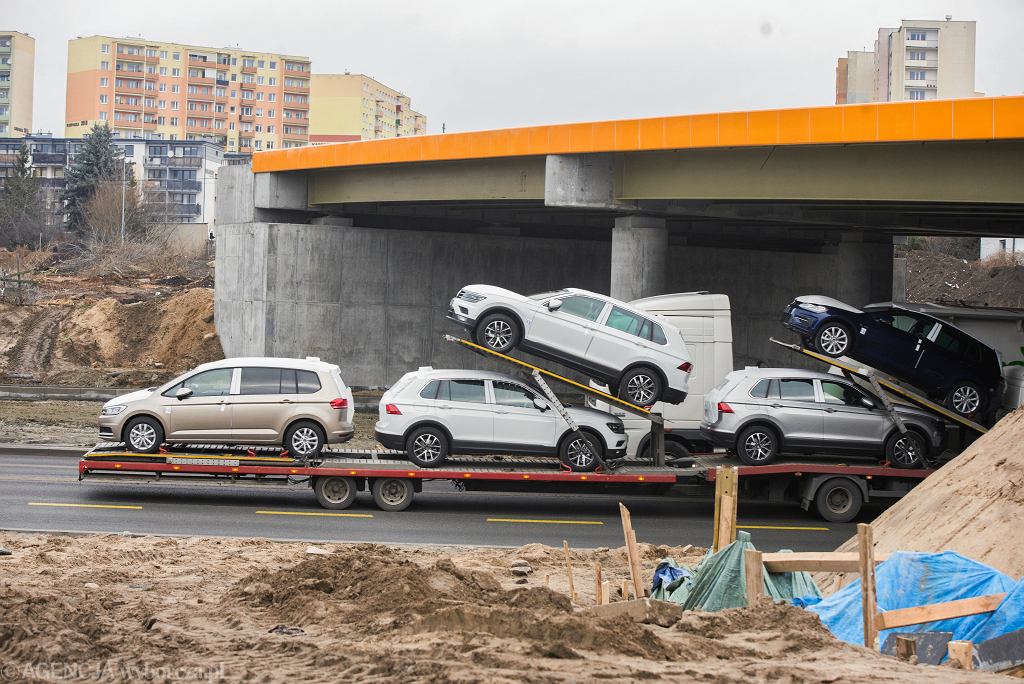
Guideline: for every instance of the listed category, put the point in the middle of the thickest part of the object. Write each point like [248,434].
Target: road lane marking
[544,522]
[782,527]
[317,514]
[78,505]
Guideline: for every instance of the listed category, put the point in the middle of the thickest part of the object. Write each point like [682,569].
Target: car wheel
[641,386]
[674,451]
[906,450]
[833,339]
[498,332]
[335,493]
[838,500]
[427,447]
[392,493]
[757,446]
[581,454]
[304,440]
[966,399]
[143,435]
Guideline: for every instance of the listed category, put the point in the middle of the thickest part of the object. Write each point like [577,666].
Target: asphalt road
[41,492]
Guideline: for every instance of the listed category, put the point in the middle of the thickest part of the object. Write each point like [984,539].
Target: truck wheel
[838,500]
[392,493]
[757,446]
[427,447]
[143,435]
[833,339]
[905,450]
[498,332]
[335,493]
[579,457]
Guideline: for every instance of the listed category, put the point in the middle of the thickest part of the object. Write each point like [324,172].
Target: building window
[271,97]
[270,144]
[271,113]
[259,80]
[104,82]
[916,76]
[917,35]
[162,104]
[916,95]
[163,87]
[175,88]
[105,48]
[103,116]
[150,52]
[163,71]
[174,121]
[260,64]
[273,65]
[177,56]
[270,129]
[175,71]
[104,99]
[105,65]
[272,81]
[163,54]
[918,55]
[174,104]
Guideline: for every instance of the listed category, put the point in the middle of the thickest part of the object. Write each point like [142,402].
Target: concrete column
[639,257]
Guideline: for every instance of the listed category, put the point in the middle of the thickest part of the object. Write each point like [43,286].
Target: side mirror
[867,403]
[554,304]
[183,393]
[540,404]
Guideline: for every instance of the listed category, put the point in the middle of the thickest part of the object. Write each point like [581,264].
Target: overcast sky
[475,64]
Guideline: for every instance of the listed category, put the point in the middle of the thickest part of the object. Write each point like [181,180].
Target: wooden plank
[753,572]
[597,583]
[834,561]
[906,647]
[632,554]
[624,590]
[726,523]
[962,653]
[948,610]
[718,507]
[606,596]
[568,570]
[866,550]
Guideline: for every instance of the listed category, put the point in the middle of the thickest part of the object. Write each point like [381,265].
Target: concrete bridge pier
[639,257]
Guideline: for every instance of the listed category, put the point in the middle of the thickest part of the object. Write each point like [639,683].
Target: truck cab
[705,321]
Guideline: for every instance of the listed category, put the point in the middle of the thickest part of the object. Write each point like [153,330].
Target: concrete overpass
[351,251]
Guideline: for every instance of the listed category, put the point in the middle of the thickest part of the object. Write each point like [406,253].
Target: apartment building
[17,75]
[177,178]
[919,60]
[241,100]
[346,107]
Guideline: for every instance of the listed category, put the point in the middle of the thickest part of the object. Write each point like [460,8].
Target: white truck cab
[705,321]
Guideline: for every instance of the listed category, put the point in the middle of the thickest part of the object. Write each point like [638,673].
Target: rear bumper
[720,438]
[389,441]
[342,434]
[673,396]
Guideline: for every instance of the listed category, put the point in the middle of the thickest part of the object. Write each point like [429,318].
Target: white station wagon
[640,356]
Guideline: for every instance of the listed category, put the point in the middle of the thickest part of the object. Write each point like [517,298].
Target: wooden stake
[726,499]
[753,570]
[866,551]
[625,590]
[718,508]
[632,554]
[547,581]
[726,524]
[597,583]
[606,597]
[962,653]
[568,570]
[906,647]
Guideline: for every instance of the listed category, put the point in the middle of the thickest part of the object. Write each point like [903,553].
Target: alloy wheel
[640,389]
[580,453]
[142,436]
[966,400]
[427,447]
[834,340]
[907,450]
[305,441]
[758,446]
[498,334]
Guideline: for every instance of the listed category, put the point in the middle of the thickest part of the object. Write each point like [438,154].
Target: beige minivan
[301,404]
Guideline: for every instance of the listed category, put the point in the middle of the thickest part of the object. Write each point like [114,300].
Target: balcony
[127,88]
[200,80]
[921,43]
[152,59]
[128,107]
[193,60]
[922,63]
[149,125]
[181,162]
[289,71]
[161,185]
[173,209]
[246,118]
[49,158]
[125,57]
[297,106]
[301,90]
[249,69]
[201,129]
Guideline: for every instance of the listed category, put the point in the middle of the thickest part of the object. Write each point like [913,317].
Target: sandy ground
[120,608]
[74,423]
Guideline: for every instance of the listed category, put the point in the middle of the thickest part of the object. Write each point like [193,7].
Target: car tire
[571,452]
[498,332]
[757,445]
[839,500]
[143,435]
[674,451]
[965,399]
[335,493]
[304,440]
[641,386]
[833,339]
[906,450]
[392,493]
[427,447]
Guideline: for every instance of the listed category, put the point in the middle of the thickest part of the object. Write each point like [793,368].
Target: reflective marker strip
[78,505]
[545,522]
[317,514]
[781,527]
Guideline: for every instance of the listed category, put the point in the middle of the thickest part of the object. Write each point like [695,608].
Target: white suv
[433,413]
[640,355]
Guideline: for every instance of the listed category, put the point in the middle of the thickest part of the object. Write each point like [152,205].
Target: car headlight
[816,308]
[617,428]
[112,410]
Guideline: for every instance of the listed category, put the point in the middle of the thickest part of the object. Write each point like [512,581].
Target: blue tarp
[908,579]
[1008,617]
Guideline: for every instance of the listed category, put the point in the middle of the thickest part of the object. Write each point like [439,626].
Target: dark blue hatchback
[948,364]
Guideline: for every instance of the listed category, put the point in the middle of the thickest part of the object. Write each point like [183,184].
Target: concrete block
[331,221]
[280,191]
[234,195]
[580,180]
[645,611]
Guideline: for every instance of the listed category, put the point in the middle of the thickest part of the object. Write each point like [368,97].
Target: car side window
[797,390]
[760,390]
[430,391]
[211,383]
[307,382]
[657,334]
[583,307]
[469,391]
[260,381]
[511,394]
[631,323]
[288,384]
[899,321]
[840,393]
[950,341]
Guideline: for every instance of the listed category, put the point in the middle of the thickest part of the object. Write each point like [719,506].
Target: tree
[96,163]
[101,215]
[22,209]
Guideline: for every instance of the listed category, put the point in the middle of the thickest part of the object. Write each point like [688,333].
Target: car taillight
[392,410]
[686,366]
[724,408]
[339,404]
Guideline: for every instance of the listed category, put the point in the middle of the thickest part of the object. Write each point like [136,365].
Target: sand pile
[117,608]
[973,505]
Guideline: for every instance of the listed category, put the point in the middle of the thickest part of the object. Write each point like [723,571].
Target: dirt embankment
[936,277]
[252,610]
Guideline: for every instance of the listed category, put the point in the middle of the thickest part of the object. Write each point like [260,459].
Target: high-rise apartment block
[239,99]
[17,69]
[920,60]
[348,107]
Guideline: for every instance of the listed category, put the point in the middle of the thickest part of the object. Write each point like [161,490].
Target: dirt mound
[936,277]
[973,505]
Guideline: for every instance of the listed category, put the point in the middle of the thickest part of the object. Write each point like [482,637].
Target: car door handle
[286,401]
[830,410]
[775,405]
[501,413]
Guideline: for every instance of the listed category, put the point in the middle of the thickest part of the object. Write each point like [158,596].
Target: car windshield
[544,295]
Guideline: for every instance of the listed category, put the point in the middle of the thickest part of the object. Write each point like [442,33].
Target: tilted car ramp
[889,385]
[657,423]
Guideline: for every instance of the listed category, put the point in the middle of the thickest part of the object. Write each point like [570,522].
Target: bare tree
[102,212]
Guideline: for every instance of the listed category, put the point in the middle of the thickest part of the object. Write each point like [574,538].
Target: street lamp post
[124,163]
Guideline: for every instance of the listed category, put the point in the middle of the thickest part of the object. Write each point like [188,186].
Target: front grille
[470,296]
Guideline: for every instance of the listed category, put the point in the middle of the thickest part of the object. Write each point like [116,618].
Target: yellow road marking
[312,513]
[545,522]
[78,505]
[782,527]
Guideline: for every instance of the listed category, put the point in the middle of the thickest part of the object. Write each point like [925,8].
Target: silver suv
[759,413]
